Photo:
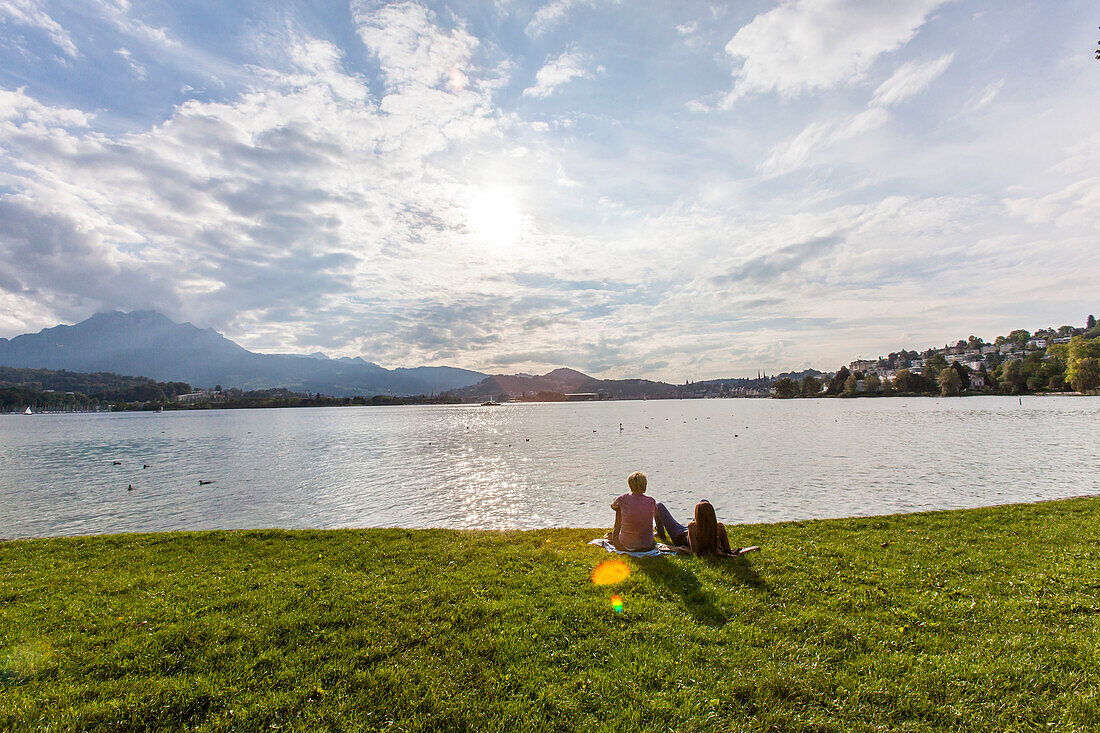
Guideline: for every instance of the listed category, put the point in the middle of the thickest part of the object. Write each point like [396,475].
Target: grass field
[970,620]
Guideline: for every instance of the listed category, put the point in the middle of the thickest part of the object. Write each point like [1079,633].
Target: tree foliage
[1013,380]
[964,375]
[934,365]
[903,381]
[1082,357]
[1086,377]
[785,389]
[836,384]
[949,381]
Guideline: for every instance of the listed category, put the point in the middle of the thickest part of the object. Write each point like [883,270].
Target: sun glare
[610,572]
[493,218]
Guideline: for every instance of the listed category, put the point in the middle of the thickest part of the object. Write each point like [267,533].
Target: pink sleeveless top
[637,512]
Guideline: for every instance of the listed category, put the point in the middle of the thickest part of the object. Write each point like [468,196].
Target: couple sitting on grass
[635,514]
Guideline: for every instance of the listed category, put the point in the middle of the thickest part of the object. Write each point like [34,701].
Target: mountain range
[148,344]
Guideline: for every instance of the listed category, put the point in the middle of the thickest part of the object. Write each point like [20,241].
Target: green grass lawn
[983,619]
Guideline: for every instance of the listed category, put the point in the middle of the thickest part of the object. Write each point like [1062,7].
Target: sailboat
[28,411]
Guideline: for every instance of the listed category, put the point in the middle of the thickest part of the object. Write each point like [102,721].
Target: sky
[685,190]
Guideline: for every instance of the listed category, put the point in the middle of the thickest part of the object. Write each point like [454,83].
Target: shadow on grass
[682,581]
[740,568]
[8,677]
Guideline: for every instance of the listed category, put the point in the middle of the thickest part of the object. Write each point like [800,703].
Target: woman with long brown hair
[705,535]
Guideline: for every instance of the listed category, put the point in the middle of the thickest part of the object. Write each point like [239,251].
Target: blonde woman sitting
[634,514]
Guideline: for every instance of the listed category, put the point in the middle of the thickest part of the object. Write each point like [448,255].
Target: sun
[494,219]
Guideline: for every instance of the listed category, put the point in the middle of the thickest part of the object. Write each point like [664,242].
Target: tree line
[280,397]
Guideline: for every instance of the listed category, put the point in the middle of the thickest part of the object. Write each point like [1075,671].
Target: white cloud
[910,79]
[119,13]
[410,46]
[20,111]
[986,96]
[552,14]
[807,45]
[818,138]
[1071,204]
[29,13]
[138,69]
[571,64]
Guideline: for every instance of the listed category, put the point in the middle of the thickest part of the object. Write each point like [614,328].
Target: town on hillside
[1048,360]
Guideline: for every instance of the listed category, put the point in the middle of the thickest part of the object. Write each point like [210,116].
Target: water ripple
[525,466]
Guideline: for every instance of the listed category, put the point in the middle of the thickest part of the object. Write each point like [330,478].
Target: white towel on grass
[655,552]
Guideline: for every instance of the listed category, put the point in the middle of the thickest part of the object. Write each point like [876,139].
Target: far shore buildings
[202,395]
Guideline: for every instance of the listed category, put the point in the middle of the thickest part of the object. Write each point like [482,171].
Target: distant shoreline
[400,402]
[390,401]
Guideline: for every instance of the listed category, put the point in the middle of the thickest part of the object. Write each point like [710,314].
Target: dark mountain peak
[561,380]
[140,324]
[142,318]
[555,385]
[315,356]
[361,362]
[566,373]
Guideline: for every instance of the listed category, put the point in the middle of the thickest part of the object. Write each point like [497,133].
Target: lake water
[537,465]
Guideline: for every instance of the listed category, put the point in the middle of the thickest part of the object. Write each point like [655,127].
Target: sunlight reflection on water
[536,465]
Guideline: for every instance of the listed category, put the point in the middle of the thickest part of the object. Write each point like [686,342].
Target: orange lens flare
[610,572]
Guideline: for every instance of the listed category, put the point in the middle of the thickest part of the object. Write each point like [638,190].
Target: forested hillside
[50,389]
